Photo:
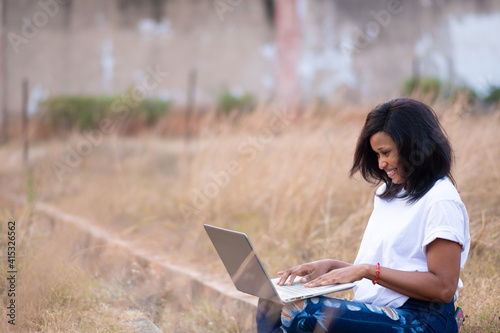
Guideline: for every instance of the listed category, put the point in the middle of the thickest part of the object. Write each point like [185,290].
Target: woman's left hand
[340,275]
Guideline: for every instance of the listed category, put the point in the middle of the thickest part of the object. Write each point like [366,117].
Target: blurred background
[127,124]
[295,51]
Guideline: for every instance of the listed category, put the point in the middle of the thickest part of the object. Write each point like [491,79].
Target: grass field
[280,177]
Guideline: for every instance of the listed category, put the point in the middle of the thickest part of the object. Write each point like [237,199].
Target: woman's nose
[382,163]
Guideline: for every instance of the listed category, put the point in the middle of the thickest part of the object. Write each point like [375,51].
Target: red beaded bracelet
[378,272]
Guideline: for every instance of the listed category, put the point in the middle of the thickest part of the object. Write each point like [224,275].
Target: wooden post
[3,106]
[191,94]
[25,120]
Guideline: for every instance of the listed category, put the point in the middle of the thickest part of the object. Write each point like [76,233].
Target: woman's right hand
[308,271]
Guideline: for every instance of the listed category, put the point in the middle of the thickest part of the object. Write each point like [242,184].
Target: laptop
[248,274]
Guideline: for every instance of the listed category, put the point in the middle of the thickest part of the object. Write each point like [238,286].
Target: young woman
[414,246]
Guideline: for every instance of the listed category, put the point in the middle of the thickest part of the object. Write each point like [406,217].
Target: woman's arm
[438,284]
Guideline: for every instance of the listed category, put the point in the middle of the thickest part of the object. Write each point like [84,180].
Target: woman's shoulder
[381,189]
[443,189]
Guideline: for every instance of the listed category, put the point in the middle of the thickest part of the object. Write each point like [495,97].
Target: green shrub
[75,111]
[151,110]
[85,112]
[228,102]
[493,95]
[428,86]
[434,87]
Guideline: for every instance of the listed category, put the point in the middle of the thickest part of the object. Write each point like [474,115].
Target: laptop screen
[241,262]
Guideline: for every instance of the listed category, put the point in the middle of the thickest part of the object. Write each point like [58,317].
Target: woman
[414,246]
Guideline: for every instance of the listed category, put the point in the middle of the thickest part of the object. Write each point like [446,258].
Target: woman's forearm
[425,286]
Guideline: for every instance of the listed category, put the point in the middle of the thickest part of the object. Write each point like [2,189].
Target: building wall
[365,47]
[377,44]
[93,47]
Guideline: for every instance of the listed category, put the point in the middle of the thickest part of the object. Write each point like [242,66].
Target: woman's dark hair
[425,154]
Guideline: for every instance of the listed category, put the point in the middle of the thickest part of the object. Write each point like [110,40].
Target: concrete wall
[94,47]
[376,44]
[367,47]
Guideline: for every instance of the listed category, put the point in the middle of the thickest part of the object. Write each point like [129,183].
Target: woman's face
[388,156]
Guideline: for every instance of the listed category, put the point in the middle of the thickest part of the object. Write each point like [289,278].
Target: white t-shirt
[398,232]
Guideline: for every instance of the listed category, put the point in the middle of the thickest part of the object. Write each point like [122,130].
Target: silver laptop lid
[241,262]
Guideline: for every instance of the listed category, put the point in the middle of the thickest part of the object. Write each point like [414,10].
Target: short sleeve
[447,219]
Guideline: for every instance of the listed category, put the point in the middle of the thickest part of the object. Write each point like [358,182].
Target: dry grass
[289,190]
[52,293]
[201,317]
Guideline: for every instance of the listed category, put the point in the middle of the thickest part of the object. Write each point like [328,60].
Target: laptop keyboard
[291,291]
[295,290]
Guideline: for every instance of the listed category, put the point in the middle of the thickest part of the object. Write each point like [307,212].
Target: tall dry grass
[52,292]
[288,188]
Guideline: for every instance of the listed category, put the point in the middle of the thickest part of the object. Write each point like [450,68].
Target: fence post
[25,120]
[191,94]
